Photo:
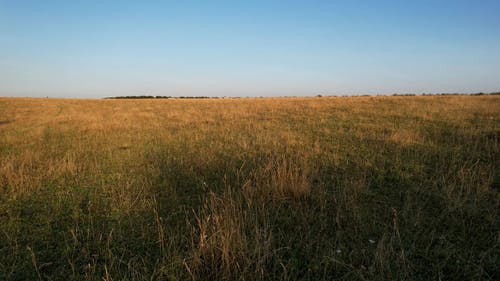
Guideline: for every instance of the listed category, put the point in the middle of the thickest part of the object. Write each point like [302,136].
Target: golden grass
[249,189]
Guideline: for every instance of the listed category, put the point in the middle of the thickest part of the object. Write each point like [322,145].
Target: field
[323,188]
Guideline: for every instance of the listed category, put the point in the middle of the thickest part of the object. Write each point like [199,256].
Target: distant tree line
[319,96]
[160,97]
[449,94]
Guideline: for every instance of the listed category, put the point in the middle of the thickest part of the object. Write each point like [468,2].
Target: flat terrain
[360,188]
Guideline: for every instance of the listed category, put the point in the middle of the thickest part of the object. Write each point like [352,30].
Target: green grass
[389,188]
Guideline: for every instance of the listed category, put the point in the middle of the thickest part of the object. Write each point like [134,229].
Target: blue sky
[247,48]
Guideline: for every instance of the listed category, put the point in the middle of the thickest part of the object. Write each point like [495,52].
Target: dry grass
[361,188]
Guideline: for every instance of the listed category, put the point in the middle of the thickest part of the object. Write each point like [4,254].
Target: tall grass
[361,188]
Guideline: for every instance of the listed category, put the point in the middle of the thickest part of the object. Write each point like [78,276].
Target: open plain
[323,188]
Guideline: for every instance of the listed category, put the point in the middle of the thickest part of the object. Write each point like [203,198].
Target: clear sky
[247,48]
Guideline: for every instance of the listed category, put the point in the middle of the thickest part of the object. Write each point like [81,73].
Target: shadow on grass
[385,211]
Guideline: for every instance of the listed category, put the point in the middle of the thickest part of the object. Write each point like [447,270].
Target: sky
[93,49]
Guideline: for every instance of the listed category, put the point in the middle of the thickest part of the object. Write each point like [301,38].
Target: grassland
[361,188]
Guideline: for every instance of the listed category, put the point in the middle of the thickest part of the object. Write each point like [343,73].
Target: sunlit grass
[361,188]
